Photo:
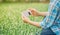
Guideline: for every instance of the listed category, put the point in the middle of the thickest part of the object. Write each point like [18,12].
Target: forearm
[34,12]
[34,23]
[42,13]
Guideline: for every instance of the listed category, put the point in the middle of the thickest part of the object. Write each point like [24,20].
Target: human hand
[25,19]
[34,12]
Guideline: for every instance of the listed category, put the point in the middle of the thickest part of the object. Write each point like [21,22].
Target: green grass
[11,22]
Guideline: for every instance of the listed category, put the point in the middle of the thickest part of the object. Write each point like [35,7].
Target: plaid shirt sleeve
[48,21]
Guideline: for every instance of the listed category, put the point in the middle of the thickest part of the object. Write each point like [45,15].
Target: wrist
[29,21]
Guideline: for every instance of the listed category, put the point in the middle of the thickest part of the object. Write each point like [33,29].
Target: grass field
[11,22]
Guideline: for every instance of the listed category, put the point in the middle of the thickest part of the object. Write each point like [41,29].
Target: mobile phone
[26,13]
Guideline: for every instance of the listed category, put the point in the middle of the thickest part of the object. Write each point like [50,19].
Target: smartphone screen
[26,14]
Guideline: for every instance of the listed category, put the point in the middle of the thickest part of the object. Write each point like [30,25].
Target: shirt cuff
[42,24]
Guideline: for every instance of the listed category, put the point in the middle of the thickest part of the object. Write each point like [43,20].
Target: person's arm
[34,12]
[27,20]
[34,23]
[42,13]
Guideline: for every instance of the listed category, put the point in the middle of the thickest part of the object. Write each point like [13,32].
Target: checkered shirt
[52,20]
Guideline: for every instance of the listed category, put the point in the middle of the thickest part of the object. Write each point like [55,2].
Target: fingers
[32,9]
[24,17]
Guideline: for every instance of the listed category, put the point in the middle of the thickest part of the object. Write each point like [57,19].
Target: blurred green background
[10,16]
